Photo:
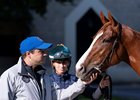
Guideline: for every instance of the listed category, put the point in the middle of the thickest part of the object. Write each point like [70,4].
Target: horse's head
[104,51]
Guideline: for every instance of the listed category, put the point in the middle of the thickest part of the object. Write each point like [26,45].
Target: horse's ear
[103,18]
[117,26]
[112,19]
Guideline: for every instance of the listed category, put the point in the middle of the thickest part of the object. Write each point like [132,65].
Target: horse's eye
[111,39]
[107,40]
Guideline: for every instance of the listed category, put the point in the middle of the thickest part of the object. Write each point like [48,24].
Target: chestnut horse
[112,44]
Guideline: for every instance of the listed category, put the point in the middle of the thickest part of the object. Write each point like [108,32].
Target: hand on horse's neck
[131,40]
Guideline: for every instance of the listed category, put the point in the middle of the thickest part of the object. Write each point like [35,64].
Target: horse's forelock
[102,29]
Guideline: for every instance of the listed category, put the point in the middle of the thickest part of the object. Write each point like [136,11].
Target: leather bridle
[107,59]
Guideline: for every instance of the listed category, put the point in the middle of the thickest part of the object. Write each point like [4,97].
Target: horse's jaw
[85,72]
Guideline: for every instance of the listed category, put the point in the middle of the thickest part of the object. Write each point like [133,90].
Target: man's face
[60,66]
[38,56]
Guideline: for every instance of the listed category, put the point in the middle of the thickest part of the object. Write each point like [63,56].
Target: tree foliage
[16,9]
[16,20]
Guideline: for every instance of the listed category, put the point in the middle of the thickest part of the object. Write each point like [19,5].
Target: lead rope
[108,92]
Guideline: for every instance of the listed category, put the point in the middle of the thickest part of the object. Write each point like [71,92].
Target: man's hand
[91,78]
[104,82]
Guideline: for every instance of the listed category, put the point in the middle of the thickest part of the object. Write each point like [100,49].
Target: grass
[113,98]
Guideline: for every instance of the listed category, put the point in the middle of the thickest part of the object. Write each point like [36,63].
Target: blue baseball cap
[33,42]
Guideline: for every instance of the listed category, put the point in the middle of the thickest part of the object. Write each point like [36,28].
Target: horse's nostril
[82,69]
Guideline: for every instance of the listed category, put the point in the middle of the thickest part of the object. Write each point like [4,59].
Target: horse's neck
[131,42]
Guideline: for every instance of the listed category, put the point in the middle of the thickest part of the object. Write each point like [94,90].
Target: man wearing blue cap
[25,80]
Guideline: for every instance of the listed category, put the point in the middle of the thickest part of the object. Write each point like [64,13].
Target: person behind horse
[24,80]
[60,58]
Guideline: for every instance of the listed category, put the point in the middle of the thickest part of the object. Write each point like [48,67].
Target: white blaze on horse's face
[84,56]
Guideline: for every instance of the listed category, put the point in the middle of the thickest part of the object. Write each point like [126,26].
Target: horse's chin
[86,76]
